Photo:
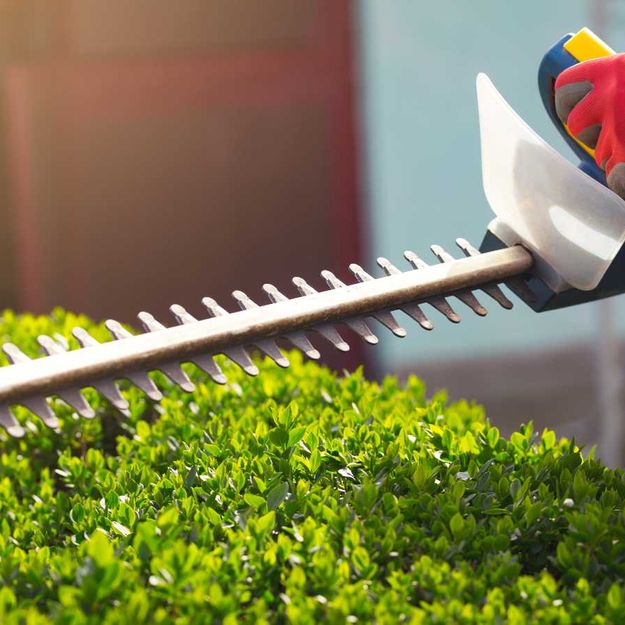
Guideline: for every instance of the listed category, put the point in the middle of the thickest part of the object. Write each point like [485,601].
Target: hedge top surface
[300,497]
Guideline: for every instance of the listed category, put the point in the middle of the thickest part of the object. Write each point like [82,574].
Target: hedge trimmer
[557,240]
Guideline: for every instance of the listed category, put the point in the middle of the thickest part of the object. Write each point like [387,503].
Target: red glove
[590,98]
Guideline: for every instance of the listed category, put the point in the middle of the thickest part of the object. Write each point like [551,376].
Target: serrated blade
[133,356]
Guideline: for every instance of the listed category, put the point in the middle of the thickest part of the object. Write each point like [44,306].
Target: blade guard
[574,225]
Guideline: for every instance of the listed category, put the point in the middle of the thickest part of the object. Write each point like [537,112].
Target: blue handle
[554,62]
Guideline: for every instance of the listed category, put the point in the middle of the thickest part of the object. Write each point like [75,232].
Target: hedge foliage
[300,496]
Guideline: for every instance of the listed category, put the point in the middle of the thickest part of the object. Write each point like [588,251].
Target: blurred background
[155,152]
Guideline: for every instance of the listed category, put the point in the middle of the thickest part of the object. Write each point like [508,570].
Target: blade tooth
[173,371]
[9,423]
[386,318]
[273,293]
[84,338]
[145,383]
[466,247]
[203,361]
[492,290]
[300,340]
[444,307]
[332,280]
[439,303]
[149,323]
[414,311]
[270,348]
[244,301]
[181,315]
[61,340]
[213,308]
[303,287]
[77,401]
[111,391]
[207,364]
[14,353]
[332,335]
[387,266]
[49,345]
[242,358]
[360,273]
[442,254]
[40,407]
[361,328]
[465,296]
[117,330]
[416,261]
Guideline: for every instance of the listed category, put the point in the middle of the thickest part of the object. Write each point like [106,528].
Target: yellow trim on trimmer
[585,46]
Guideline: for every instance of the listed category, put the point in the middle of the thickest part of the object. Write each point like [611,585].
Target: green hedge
[301,497]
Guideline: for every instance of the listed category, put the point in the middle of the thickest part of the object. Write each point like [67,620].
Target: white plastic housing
[574,224]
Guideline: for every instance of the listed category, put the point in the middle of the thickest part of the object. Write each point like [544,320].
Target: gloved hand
[590,98]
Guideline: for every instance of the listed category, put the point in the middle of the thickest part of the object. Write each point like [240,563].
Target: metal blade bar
[79,368]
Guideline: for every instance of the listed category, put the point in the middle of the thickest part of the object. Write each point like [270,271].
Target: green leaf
[279,436]
[213,516]
[191,477]
[315,461]
[493,437]
[468,444]
[120,529]
[168,518]
[143,430]
[265,523]
[99,549]
[296,435]
[277,495]
[456,525]
[564,556]
[580,485]
[253,500]
[77,513]
[549,439]
[69,596]
[615,596]
[361,560]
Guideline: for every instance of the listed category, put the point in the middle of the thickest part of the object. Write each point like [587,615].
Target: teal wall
[422,163]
